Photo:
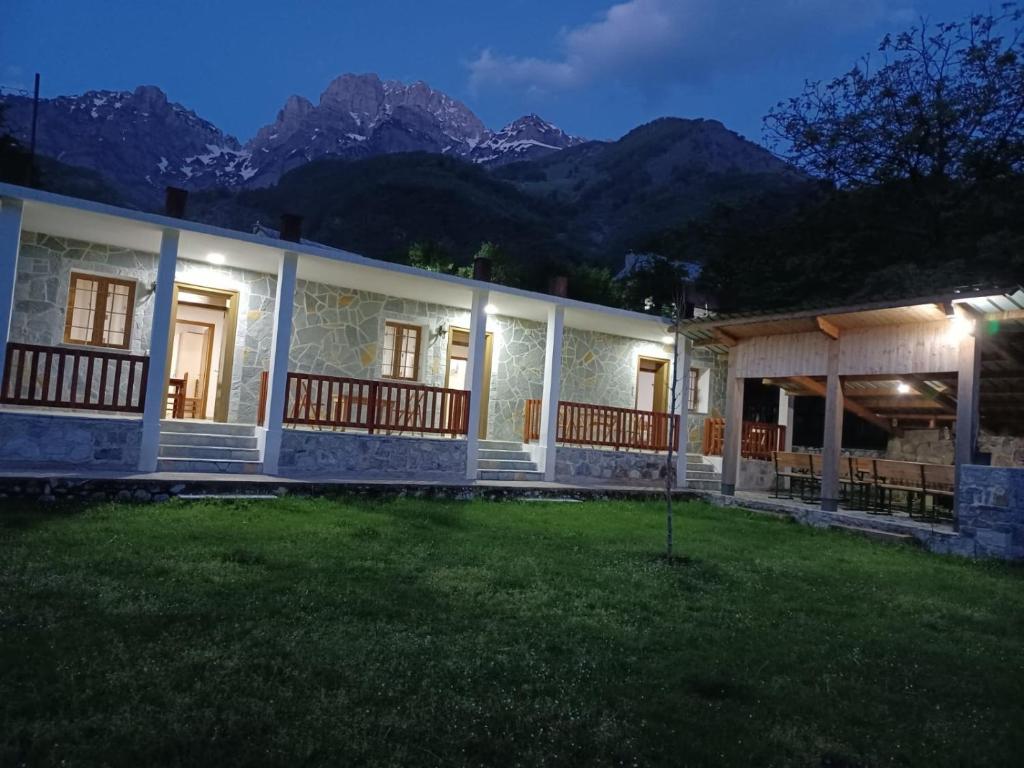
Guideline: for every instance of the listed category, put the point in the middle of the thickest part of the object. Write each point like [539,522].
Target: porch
[938,380]
[208,350]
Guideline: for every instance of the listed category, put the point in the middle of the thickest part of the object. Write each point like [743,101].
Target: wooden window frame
[395,364]
[693,393]
[103,283]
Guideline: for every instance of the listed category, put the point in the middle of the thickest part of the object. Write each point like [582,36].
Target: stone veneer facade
[935,446]
[594,465]
[33,440]
[353,455]
[336,331]
[990,511]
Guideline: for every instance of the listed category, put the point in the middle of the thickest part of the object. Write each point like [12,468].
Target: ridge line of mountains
[377,165]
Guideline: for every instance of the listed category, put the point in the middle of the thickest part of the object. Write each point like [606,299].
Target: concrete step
[219,452]
[210,466]
[890,536]
[496,455]
[703,485]
[700,467]
[706,474]
[207,427]
[203,439]
[500,445]
[505,474]
[515,466]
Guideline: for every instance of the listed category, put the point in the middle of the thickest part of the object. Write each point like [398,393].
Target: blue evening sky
[595,68]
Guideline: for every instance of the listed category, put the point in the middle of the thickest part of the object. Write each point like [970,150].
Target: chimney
[291,227]
[482,269]
[558,285]
[174,202]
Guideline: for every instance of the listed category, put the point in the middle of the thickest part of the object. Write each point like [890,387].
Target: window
[691,390]
[99,311]
[401,351]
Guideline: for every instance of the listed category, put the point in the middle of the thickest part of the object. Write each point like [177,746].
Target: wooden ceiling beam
[723,338]
[851,405]
[827,327]
[945,401]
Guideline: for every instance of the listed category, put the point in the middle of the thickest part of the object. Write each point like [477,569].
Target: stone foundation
[357,455]
[31,440]
[593,465]
[936,446]
[990,510]
[755,475]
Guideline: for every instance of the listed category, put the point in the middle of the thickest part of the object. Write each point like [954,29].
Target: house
[142,342]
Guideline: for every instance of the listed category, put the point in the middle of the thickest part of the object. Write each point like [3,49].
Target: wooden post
[832,447]
[10,242]
[683,354]
[733,427]
[475,377]
[159,351]
[280,345]
[968,383]
[786,418]
[552,389]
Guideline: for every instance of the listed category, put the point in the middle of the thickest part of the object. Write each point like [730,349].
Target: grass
[408,632]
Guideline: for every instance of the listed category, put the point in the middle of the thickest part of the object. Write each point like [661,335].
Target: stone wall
[43,279]
[63,441]
[601,369]
[718,366]
[345,454]
[755,475]
[990,510]
[45,264]
[936,446]
[594,465]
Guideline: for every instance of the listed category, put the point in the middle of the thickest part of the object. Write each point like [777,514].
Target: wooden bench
[796,468]
[869,483]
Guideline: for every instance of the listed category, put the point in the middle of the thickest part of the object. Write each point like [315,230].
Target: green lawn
[409,632]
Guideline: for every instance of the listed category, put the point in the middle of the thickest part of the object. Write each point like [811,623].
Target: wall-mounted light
[215,258]
[961,326]
[903,389]
[668,339]
[490,309]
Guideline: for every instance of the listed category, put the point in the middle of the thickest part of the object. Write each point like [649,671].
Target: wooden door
[455,369]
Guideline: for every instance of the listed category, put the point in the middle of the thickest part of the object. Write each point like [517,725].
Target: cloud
[659,43]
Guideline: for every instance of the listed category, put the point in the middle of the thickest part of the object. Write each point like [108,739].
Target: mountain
[528,138]
[656,177]
[381,205]
[143,142]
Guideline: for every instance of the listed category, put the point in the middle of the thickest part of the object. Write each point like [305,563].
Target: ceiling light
[215,258]
[903,389]
[490,309]
[961,326]
[668,339]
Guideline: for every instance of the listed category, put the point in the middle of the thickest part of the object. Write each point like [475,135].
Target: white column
[160,336]
[277,378]
[786,418]
[732,442]
[968,383]
[832,446]
[683,354]
[10,241]
[552,389]
[475,377]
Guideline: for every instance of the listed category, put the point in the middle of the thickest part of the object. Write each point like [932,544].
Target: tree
[945,102]
[431,256]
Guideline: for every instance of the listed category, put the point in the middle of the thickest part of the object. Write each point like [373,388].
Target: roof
[927,399]
[74,218]
[984,300]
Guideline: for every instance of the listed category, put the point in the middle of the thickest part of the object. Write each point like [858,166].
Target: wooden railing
[66,377]
[339,402]
[605,425]
[758,441]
